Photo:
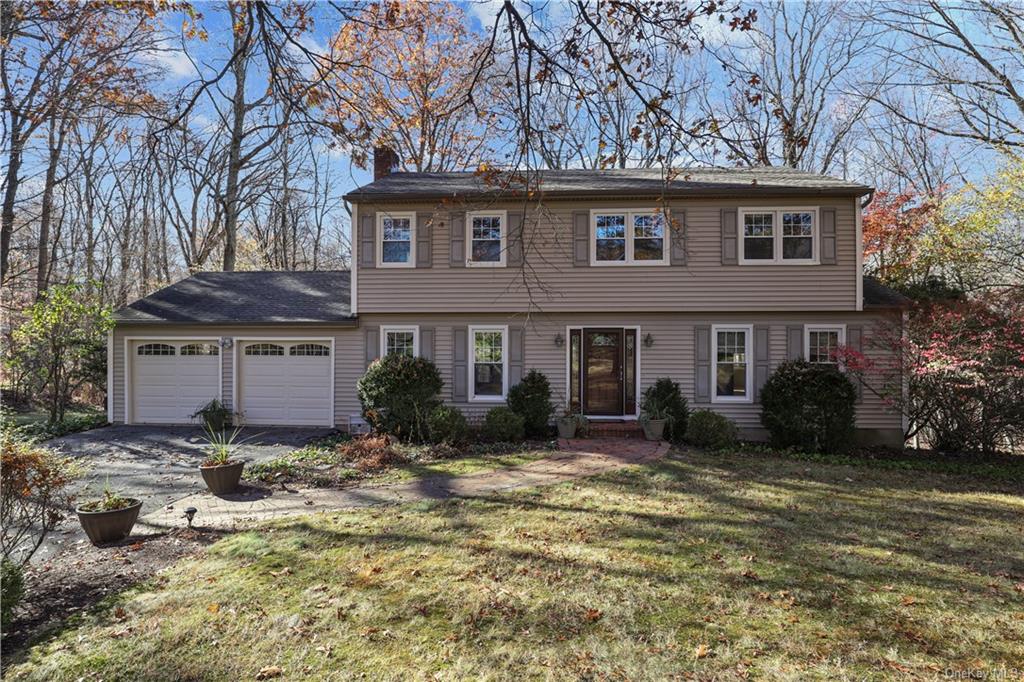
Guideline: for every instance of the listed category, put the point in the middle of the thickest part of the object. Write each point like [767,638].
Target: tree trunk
[55,142]
[10,196]
[240,51]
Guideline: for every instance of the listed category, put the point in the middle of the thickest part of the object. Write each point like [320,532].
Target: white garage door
[171,379]
[286,383]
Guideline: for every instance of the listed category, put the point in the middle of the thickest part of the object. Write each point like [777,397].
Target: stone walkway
[574,459]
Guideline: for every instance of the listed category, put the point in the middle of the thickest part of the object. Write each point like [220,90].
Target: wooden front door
[602,371]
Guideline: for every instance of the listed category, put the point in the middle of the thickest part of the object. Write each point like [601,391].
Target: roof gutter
[867,201]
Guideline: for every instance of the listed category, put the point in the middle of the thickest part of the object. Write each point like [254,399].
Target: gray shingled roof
[247,298]
[878,295]
[582,183]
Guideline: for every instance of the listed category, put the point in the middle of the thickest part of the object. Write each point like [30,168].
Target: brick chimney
[385,162]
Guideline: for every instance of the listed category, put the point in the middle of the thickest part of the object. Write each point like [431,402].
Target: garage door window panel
[199,349]
[264,349]
[156,349]
[309,349]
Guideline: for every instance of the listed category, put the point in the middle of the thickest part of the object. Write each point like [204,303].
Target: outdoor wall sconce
[226,342]
[559,340]
[648,340]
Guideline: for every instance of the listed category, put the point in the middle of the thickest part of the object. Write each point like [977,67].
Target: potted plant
[220,472]
[571,424]
[653,418]
[215,415]
[109,518]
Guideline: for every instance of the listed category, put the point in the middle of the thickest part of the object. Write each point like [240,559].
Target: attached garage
[272,346]
[169,379]
[286,381]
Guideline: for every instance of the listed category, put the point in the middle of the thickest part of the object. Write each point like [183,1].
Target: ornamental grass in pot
[221,471]
[571,423]
[653,418]
[109,518]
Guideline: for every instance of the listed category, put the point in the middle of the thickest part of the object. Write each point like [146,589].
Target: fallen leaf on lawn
[269,672]
[136,546]
[283,571]
[593,615]
[908,601]
[213,608]
[120,613]
[702,651]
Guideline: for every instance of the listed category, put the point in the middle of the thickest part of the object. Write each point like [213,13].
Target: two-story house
[602,280]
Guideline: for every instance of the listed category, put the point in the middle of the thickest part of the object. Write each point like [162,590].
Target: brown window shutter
[514,256]
[427,343]
[730,240]
[677,228]
[457,240]
[828,236]
[424,240]
[367,240]
[702,364]
[516,354]
[460,364]
[794,342]
[762,358]
[372,336]
[855,342]
[581,239]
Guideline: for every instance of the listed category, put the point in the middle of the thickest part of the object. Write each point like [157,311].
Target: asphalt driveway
[158,464]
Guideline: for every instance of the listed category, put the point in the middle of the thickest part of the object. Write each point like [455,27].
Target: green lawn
[699,566]
[35,423]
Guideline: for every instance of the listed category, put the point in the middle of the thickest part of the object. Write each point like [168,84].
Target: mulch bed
[82,575]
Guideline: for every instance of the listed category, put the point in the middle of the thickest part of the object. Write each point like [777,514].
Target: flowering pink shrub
[963,364]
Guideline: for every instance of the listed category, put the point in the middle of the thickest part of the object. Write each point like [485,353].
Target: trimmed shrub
[503,425]
[707,429]
[531,399]
[448,425]
[12,589]
[809,407]
[398,394]
[664,397]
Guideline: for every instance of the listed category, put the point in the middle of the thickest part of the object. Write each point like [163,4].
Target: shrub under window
[448,426]
[502,425]
[809,406]
[707,429]
[398,393]
[531,399]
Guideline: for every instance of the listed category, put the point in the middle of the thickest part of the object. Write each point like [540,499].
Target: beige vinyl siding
[550,282]
[671,355]
[348,358]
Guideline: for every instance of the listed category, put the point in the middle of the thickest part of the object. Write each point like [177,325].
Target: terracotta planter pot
[103,527]
[222,479]
[654,429]
[567,428]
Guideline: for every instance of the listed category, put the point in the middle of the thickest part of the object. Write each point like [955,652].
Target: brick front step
[618,429]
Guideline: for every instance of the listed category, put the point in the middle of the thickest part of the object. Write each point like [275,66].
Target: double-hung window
[778,236]
[628,237]
[396,233]
[822,343]
[731,355]
[487,237]
[488,356]
[400,341]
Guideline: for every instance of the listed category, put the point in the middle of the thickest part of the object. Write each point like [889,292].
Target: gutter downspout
[861,205]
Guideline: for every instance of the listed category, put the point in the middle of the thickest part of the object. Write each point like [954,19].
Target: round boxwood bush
[531,399]
[12,589]
[809,407]
[448,426]
[707,429]
[665,394]
[398,394]
[502,425]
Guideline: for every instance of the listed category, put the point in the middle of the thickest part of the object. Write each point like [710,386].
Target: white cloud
[174,63]
[484,11]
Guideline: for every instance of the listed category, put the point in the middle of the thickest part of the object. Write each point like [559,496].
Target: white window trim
[400,328]
[777,236]
[469,239]
[629,262]
[808,328]
[411,263]
[471,365]
[747,353]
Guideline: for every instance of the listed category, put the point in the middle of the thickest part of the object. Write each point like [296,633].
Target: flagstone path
[575,459]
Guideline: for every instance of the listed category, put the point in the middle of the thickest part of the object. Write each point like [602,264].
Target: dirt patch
[82,575]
